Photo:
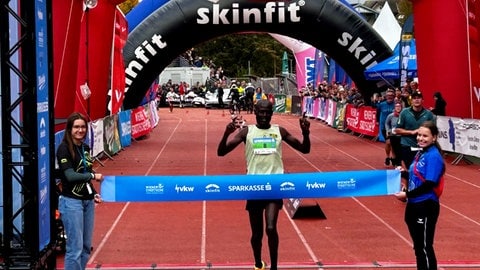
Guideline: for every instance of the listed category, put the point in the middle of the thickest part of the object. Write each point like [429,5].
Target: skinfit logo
[355,47]
[143,53]
[287,186]
[273,12]
[212,188]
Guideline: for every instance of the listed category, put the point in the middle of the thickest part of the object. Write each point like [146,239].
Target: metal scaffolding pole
[26,84]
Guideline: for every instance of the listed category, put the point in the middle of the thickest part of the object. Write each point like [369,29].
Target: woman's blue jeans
[77,217]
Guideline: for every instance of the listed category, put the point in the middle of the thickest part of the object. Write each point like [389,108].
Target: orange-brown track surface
[357,233]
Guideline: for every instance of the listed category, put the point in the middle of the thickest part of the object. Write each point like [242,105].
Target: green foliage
[127,5]
[240,53]
[405,9]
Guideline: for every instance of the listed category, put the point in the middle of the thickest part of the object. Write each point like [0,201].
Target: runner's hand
[304,123]
[231,127]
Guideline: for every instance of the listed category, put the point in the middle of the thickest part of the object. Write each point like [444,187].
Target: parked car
[211,99]
[198,101]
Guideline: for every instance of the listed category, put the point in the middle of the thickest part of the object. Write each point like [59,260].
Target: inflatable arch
[178,25]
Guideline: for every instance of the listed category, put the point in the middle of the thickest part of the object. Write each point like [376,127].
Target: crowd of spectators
[350,94]
[190,58]
[335,91]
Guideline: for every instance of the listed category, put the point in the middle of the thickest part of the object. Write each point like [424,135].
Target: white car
[198,101]
[211,99]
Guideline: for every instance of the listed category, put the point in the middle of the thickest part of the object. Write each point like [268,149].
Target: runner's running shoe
[261,268]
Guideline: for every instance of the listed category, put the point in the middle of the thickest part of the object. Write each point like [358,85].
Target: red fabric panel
[100,22]
[66,28]
[442,54]
[474,39]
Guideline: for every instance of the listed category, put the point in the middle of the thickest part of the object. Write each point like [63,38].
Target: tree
[126,6]
[244,54]
[405,9]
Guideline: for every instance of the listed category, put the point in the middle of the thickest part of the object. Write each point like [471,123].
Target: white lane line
[300,235]
[93,257]
[463,181]
[203,246]
[460,214]
[302,238]
[383,222]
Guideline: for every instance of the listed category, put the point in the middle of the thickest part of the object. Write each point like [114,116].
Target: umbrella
[390,67]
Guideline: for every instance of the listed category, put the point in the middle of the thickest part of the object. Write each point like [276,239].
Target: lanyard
[84,161]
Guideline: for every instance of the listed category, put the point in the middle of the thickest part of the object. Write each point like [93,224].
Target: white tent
[387,26]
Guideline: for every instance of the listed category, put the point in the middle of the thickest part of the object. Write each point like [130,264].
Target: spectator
[249,92]
[171,97]
[384,108]
[440,104]
[409,121]
[424,181]
[258,95]
[220,93]
[182,89]
[78,195]
[390,125]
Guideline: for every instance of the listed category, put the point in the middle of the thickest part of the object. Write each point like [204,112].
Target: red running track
[358,233]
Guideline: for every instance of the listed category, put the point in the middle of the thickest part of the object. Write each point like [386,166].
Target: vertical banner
[304,58]
[118,67]
[110,131]
[285,69]
[405,43]
[319,68]
[96,145]
[473,14]
[43,124]
[305,65]
[332,78]
[125,128]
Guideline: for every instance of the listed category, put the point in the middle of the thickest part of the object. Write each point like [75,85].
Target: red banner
[140,123]
[118,67]
[361,120]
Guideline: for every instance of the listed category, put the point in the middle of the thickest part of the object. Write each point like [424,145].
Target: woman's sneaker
[260,268]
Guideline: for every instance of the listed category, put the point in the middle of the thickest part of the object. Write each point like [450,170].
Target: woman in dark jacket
[440,104]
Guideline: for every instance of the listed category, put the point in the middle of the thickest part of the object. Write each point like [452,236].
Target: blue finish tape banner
[242,187]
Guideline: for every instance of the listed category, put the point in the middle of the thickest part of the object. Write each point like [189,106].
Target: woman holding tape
[77,196]
[425,184]
[264,158]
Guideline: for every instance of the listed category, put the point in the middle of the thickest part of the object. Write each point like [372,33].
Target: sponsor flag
[406,42]
[118,67]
